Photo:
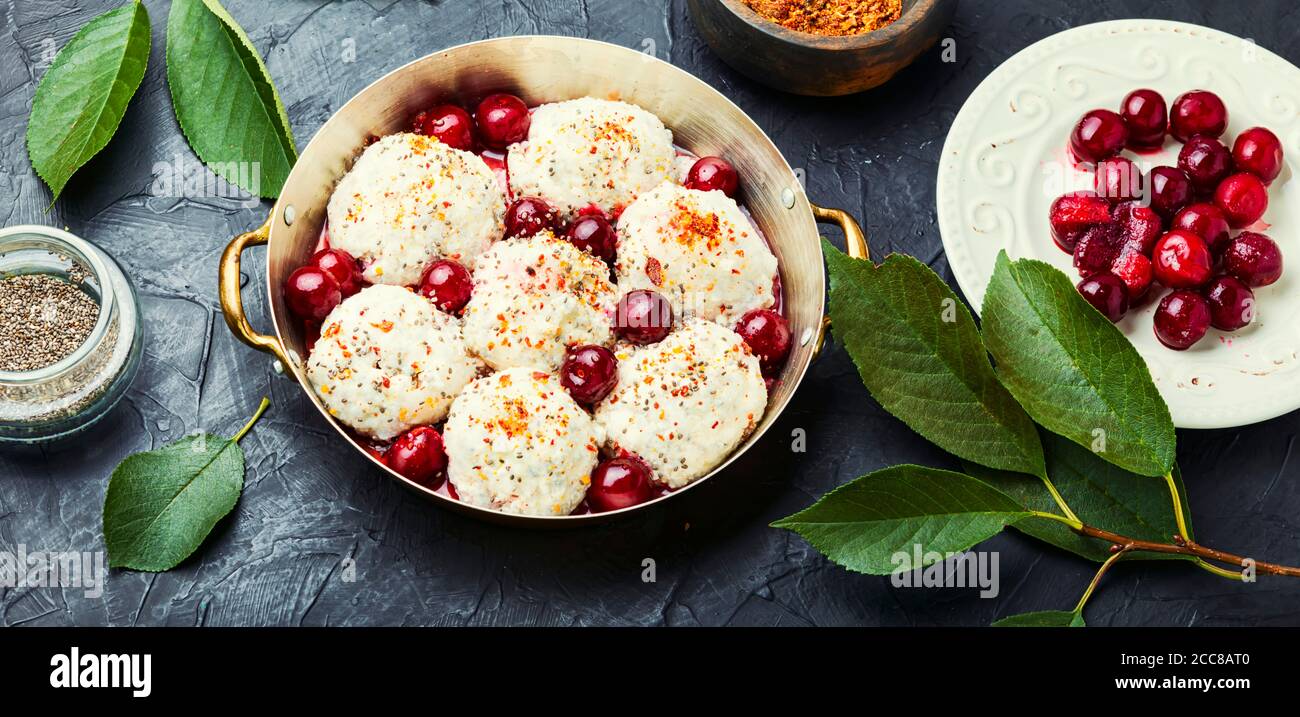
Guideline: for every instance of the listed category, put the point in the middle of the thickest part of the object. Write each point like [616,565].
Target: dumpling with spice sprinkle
[535,296]
[685,403]
[408,200]
[518,443]
[387,360]
[699,250]
[588,152]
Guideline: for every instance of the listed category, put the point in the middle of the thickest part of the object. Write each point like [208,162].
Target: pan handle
[232,302]
[854,240]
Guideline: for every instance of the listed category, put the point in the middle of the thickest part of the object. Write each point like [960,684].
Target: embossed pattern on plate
[1005,160]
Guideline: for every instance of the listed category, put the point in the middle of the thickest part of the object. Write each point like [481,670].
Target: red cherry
[1197,112]
[1170,190]
[1107,294]
[1243,199]
[1182,260]
[709,173]
[1231,302]
[1099,134]
[1118,179]
[503,119]
[1071,214]
[448,285]
[589,373]
[1139,226]
[1136,271]
[1097,249]
[1258,151]
[619,483]
[448,124]
[418,455]
[1144,112]
[592,233]
[643,317]
[1181,319]
[1254,258]
[768,336]
[527,216]
[1205,161]
[311,293]
[342,268]
[1206,221]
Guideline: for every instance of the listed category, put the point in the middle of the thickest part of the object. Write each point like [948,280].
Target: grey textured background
[310,502]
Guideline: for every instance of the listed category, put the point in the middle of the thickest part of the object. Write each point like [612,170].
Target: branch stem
[1179,546]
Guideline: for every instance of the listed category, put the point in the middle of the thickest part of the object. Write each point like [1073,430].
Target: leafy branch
[1061,432]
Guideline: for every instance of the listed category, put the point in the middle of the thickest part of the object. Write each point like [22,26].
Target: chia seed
[43,319]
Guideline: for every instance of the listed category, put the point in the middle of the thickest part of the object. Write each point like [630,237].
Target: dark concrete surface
[311,504]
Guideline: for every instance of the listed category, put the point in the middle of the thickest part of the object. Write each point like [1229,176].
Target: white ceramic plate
[1005,160]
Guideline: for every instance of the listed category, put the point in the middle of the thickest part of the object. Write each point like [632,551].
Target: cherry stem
[1179,546]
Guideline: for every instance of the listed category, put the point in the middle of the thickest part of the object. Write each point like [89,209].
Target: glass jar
[73,393]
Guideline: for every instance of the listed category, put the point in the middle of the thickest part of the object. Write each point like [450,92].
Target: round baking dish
[546,69]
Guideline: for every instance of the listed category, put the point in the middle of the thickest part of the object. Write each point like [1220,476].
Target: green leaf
[1072,370]
[162,504]
[1046,618]
[1101,494]
[224,99]
[874,523]
[81,99]
[919,354]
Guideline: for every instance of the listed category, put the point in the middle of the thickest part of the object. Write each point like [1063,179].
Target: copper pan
[545,69]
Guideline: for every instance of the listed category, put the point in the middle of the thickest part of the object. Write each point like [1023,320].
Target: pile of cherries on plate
[589,372]
[1174,225]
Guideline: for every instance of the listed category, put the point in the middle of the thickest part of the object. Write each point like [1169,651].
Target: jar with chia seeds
[70,334]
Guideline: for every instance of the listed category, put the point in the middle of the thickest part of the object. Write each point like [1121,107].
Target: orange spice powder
[829,17]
